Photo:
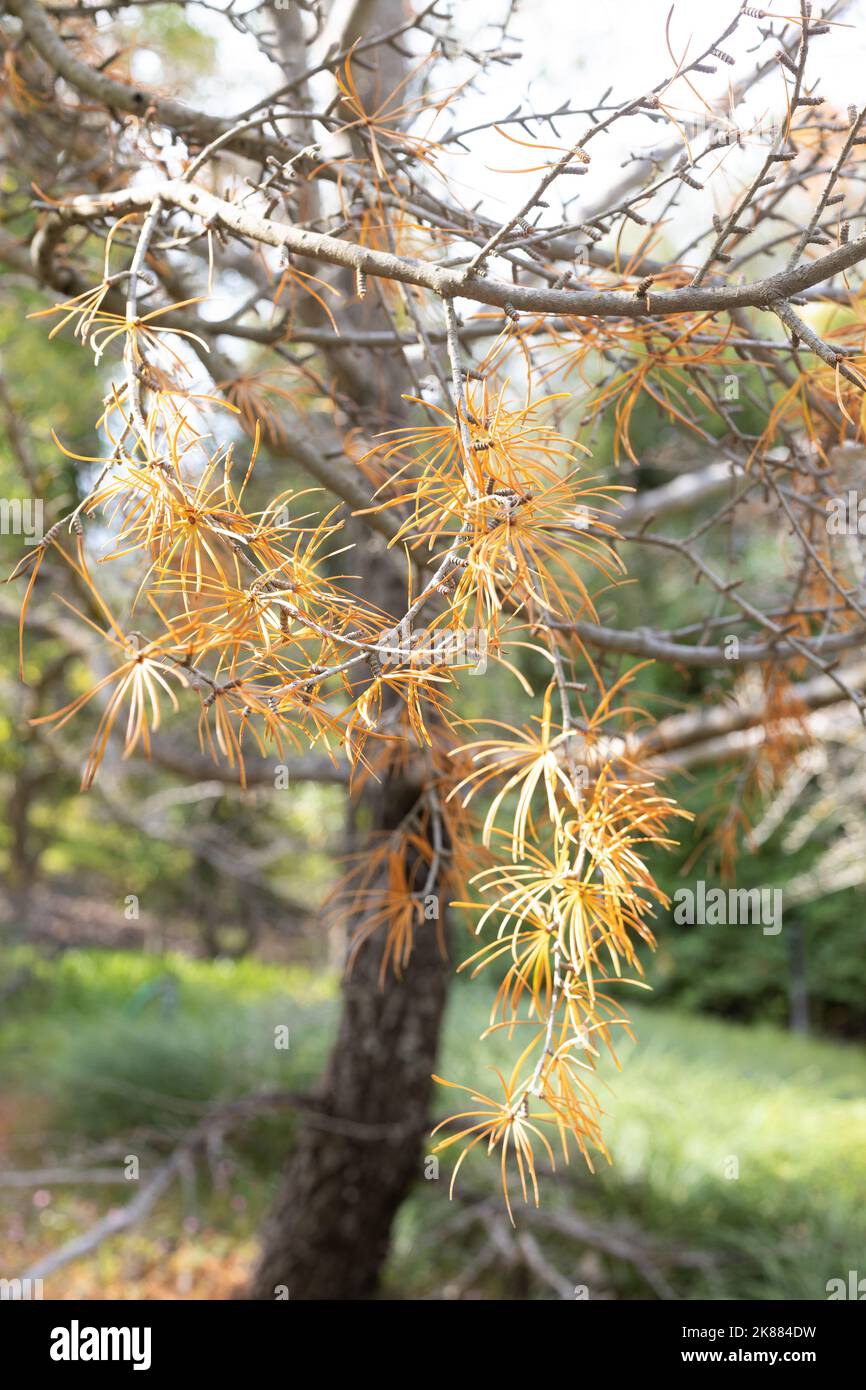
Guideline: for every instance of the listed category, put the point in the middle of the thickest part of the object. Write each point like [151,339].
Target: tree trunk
[357,1157]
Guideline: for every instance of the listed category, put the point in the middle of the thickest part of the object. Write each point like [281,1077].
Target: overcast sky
[574,49]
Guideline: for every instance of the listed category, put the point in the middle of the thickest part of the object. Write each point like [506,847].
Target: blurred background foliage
[55,841]
[106,1017]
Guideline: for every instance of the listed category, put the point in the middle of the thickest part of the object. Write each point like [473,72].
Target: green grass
[112,1041]
[743,1141]
[750,1141]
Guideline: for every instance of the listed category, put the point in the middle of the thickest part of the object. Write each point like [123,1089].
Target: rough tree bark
[355,1161]
[358,1155]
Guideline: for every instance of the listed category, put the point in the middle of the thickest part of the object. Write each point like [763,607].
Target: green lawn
[743,1144]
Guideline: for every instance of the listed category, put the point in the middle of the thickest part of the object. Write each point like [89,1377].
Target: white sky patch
[572,50]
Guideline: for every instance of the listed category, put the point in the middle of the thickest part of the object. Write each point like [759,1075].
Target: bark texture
[328,1234]
[329,1231]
